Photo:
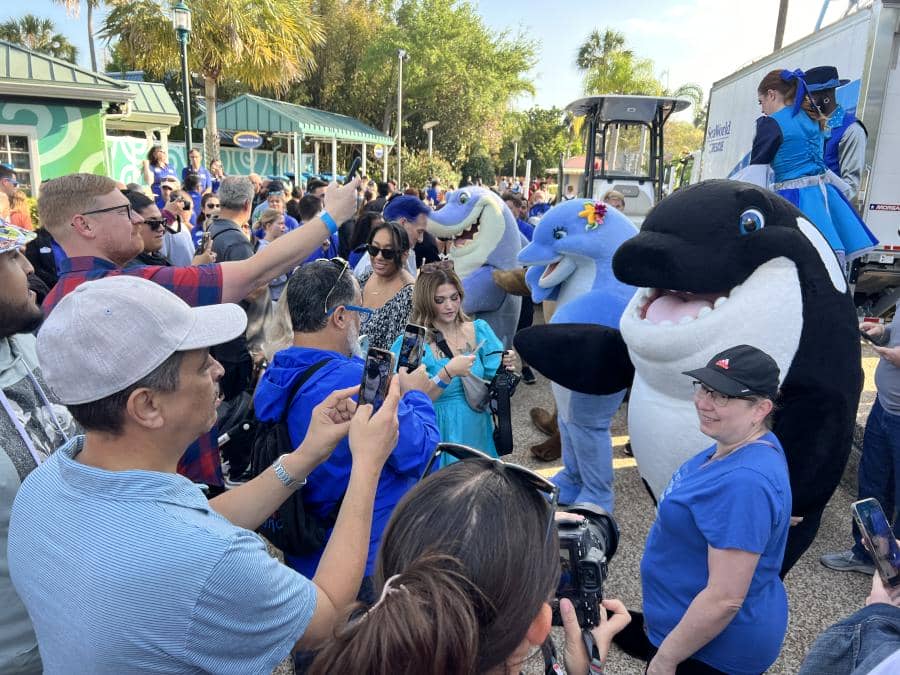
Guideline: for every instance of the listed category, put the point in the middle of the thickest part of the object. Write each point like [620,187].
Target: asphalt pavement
[817,596]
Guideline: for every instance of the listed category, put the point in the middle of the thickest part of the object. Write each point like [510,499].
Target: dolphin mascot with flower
[569,260]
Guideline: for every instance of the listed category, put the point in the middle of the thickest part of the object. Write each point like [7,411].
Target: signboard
[247,139]
[379,151]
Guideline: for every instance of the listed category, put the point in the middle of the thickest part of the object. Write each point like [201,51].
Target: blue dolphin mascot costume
[570,261]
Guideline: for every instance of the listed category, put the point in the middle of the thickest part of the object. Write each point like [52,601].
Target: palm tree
[264,44]
[596,49]
[38,35]
[73,8]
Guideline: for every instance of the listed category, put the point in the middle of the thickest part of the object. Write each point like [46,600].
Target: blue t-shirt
[204,175]
[134,572]
[741,501]
[159,173]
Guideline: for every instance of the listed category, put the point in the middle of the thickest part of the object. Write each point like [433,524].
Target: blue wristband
[329,221]
[439,382]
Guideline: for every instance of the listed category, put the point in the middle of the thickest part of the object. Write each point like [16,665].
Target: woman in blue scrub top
[713,601]
[156,168]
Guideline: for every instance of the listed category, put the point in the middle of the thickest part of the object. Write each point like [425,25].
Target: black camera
[585,549]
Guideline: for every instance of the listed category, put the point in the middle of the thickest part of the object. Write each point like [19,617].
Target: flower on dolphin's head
[594,213]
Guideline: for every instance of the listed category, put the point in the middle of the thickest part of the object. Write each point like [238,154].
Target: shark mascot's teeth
[569,260]
[485,238]
[778,288]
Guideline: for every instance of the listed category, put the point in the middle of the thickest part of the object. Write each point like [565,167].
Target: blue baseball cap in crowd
[405,206]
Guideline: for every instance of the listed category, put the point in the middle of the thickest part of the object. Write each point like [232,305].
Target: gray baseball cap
[108,334]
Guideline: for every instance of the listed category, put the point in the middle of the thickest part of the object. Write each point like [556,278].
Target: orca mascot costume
[719,264]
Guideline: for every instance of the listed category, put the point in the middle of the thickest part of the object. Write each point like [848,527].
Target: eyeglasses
[386,253]
[718,399]
[435,267]
[337,261]
[155,224]
[11,181]
[110,209]
[529,478]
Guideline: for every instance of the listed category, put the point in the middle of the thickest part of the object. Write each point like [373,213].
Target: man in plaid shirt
[93,223]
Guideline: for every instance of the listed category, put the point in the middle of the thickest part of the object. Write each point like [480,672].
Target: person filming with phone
[877,476]
[709,573]
[325,309]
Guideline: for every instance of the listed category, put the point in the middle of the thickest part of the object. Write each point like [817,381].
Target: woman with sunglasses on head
[467,567]
[456,348]
[712,598]
[388,288]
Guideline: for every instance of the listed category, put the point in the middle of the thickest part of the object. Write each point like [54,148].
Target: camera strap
[596,665]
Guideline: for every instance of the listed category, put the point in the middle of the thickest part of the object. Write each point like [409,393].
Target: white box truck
[864,47]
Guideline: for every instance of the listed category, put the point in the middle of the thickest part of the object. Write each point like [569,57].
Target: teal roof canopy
[24,72]
[265,115]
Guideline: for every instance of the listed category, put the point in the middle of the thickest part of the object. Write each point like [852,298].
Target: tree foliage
[459,72]
[265,44]
[419,169]
[542,134]
[73,8]
[38,35]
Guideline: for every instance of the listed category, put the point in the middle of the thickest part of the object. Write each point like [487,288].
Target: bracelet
[439,382]
[447,373]
[286,479]
[329,221]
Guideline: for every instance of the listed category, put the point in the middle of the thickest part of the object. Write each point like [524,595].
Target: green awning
[35,75]
[265,115]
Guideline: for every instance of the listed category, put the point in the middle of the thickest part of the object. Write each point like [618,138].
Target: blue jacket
[857,644]
[327,484]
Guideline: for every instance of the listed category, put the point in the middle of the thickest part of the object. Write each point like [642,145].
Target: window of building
[14,153]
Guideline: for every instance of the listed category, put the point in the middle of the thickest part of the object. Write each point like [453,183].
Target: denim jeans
[879,468]
[855,644]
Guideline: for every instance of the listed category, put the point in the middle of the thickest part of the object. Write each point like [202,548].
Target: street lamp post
[515,159]
[429,127]
[402,56]
[181,19]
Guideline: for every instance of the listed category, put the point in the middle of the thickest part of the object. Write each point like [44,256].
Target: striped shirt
[133,572]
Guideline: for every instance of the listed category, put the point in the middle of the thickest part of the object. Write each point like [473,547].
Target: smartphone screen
[865,336]
[879,538]
[412,347]
[376,377]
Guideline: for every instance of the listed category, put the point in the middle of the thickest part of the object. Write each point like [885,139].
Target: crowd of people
[137,318]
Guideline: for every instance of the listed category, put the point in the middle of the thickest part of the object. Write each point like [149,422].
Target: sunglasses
[386,253]
[530,478]
[110,209]
[155,224]
[339,262]
[12,181]
[435,267]
[210,205]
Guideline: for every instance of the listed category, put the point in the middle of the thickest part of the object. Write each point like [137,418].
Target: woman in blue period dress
[437,305]
[790,139]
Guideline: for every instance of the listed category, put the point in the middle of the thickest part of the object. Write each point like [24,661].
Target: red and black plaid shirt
[197,285]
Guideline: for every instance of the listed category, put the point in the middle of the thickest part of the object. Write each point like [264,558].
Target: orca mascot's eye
[559,233]
[752,221]
[463,197]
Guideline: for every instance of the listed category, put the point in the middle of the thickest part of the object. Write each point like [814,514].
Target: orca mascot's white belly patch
[765,311]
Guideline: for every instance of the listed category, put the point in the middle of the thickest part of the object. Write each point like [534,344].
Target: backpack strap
[299,382]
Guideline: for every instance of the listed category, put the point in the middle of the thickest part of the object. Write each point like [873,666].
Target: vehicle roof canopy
[626,108]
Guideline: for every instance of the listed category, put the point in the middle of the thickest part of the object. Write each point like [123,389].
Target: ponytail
[792,86]
[427,621]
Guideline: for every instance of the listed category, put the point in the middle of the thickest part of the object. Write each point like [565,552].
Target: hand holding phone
[204,243]
[376,377]
[879,539]
[412,347]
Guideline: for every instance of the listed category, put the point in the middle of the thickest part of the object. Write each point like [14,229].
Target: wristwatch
[286,479]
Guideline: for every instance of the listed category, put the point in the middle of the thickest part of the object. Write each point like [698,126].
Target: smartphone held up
[412,347]
[376,377]
[879,539]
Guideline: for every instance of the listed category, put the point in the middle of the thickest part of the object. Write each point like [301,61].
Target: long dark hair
[470,569]
[399,239]
[362,227]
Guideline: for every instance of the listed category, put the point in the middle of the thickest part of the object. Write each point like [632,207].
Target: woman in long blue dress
[790,139]
[476,350]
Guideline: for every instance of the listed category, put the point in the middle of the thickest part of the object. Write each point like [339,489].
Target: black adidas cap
[740,371]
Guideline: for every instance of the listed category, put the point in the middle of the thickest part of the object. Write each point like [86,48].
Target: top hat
[823,77]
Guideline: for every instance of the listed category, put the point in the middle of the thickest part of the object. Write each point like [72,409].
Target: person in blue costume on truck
[789,140]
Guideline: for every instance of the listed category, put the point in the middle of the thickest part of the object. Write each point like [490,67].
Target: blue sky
[689,40]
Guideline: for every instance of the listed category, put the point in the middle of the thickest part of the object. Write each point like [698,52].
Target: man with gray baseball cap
[123,564]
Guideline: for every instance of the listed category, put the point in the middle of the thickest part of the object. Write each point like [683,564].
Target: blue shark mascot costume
[485,238]
[570,261]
